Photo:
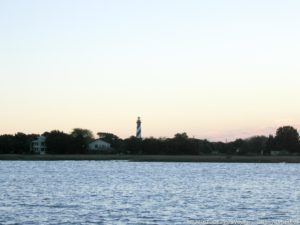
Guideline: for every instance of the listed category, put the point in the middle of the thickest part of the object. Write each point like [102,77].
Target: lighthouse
[138,128]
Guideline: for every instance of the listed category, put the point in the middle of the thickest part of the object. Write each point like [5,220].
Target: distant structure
[38,146]
[138,128]
[99,146]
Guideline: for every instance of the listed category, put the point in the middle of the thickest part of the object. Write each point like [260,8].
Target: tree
[181,136]
[7,144]
[181,144]
[287,138]
[133,145]
[203,146]
[81,139]
[21,143]
[85,133]
[220,147]
[112,139]
[151,146]
[254,145]
[58,142]
[270,145]
[16,144]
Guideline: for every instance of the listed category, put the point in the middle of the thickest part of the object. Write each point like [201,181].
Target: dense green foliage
[286,140]
[61,143]
[114,140]
[16,144]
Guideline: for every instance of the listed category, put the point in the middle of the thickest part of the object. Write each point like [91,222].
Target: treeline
[286,141]
[16,144]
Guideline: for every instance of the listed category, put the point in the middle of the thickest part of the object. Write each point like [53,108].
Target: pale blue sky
[214,69]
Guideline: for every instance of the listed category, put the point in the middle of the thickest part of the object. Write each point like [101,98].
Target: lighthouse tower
[138,128]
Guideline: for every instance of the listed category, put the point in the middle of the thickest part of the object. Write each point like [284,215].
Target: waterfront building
[99,146]
[38,146]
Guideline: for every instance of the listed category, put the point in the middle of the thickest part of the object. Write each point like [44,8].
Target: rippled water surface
[120,192]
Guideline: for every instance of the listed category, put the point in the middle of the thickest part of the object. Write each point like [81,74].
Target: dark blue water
[120,192]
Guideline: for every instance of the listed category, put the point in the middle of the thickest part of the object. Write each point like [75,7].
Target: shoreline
[157,158]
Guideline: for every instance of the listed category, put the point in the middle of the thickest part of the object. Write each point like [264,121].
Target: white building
[99,145]
[38,146]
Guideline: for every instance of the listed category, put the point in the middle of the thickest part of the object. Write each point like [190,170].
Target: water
[120,192]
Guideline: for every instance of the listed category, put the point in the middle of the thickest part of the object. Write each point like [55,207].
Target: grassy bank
[160,158]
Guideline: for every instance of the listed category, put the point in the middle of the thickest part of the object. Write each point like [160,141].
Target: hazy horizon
[217,70]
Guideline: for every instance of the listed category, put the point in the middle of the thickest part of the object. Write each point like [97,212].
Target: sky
[218,69]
